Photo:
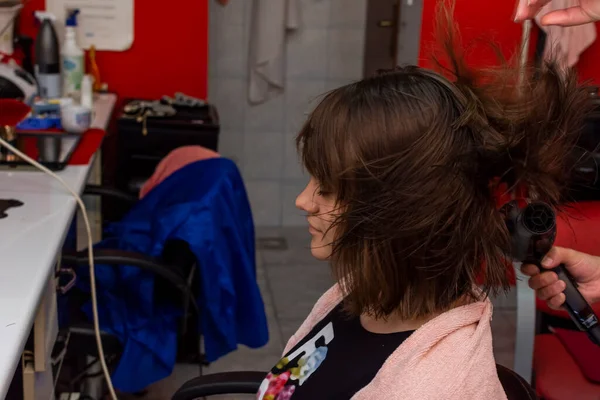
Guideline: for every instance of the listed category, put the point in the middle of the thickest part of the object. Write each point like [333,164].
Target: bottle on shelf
[72,58]
[47,57]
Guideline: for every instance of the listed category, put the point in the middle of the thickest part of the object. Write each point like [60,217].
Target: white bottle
[87,92]
[72,58]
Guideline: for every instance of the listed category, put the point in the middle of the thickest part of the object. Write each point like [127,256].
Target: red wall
[589,63]
[494,20]
[169,52]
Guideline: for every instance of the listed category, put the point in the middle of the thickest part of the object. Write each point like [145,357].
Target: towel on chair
[175,160]
[205,205]
[448,358]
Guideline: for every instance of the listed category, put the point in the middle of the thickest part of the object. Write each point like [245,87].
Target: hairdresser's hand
[587,11]
[583,267]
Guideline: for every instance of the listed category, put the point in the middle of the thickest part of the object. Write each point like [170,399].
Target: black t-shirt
[334,361]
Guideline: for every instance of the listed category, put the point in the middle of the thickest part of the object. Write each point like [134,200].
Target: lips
[311,227]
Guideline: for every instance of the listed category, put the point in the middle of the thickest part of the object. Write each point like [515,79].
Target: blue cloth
[204,204]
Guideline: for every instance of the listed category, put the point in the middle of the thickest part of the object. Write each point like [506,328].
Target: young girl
[404,171]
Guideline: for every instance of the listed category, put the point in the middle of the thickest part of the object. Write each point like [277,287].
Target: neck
[394,323]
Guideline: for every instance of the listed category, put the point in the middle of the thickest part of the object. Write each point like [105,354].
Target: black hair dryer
[533,230]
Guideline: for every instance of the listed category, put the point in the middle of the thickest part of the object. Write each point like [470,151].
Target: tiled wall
[326,52]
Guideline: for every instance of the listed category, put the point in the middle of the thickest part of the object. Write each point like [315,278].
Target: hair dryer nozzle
[532,229]
[538,218]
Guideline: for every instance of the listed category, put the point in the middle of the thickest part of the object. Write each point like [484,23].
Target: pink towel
[175,160]
[566,44]
[448,358]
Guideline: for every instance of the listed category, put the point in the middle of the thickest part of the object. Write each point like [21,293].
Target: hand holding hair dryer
[533,231]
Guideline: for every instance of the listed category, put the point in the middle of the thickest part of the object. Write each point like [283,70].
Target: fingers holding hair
[568,17]
[572,16]
[528,9]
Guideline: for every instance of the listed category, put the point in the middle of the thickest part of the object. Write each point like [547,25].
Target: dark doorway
[381,40]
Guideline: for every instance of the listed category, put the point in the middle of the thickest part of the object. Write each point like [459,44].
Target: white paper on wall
[7,19]
[106,24]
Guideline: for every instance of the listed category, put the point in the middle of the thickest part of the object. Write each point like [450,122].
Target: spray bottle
[72,57]
[47,57]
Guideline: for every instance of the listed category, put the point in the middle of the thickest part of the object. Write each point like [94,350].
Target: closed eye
[323,193]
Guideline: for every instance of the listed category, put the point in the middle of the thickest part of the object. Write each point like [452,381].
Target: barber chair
[249,382]
[176,281]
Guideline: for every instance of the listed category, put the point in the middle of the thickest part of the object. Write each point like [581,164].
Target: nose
[305,201]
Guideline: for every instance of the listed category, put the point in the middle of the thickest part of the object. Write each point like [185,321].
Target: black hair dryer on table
[533,230]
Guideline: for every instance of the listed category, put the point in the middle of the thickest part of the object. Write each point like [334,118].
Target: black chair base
[515,387]
[247,382]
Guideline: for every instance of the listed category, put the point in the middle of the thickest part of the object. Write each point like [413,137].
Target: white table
[30,239]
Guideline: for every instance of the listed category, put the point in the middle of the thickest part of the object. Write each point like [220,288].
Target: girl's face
[320,207]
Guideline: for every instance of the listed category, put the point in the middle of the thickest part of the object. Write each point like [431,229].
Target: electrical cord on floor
[90,247]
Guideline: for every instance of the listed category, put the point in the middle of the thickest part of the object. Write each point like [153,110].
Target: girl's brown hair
[414,160]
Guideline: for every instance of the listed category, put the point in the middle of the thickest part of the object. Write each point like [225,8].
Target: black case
[585,179]
[134,155]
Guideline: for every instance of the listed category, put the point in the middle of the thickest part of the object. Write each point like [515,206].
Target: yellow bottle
[94,70]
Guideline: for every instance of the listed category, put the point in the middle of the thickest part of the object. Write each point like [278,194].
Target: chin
[319,255]
[319,251]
